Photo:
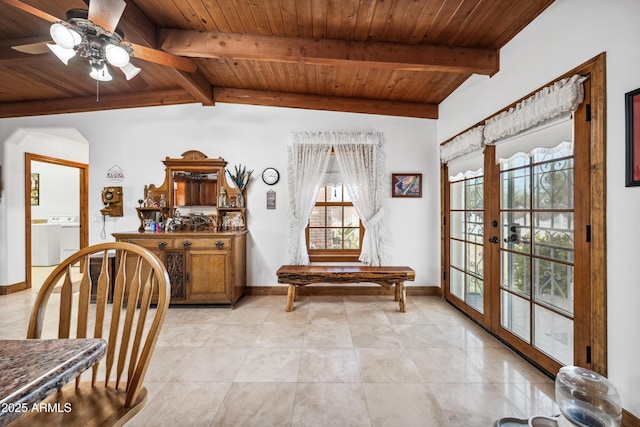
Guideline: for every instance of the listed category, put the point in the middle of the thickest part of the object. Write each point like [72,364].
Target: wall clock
[270,176]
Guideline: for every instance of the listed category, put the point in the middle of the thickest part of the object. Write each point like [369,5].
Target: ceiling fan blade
[32,10]
[164,58]
[106,13]
[33,48]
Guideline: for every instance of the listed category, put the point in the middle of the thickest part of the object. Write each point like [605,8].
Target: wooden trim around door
[595,68]
[84,203]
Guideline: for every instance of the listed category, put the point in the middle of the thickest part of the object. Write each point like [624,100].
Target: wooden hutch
[202,244]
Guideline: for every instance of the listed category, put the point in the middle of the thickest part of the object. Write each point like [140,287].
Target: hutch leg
[291,295]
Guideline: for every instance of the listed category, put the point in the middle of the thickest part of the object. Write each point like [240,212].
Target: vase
[240,200]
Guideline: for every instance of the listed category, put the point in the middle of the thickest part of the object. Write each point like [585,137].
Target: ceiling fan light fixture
[63,54]
[116,55]
[64,36]
[130,70]
[101,74]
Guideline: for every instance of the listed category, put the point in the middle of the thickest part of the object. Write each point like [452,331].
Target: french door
[517,241]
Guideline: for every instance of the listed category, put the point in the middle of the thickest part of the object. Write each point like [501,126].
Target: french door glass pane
[515,189]
[553,185]
[553,235]
[456,256]
[456,283]
[554,284]
[475,259]
[475,193]
[475,293]
[515,273]
[475,227]
[515,315]
[553,334]
[456,195]
[457,225]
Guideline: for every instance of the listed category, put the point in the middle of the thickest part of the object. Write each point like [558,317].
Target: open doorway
[56,212]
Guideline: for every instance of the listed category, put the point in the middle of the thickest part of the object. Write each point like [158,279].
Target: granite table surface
[31,369]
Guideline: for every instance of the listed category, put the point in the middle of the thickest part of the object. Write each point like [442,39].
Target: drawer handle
[219,244]
[186,244]
[162,245]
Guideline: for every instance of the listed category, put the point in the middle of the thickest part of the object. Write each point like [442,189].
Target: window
[335,231]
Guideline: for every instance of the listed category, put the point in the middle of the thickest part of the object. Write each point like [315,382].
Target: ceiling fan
[94,34]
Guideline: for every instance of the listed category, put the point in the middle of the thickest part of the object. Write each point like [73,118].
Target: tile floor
[333,361]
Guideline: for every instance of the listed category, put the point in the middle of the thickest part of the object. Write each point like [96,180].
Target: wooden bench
[385,276]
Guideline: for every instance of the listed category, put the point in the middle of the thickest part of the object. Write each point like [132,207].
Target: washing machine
[69,234]
[45,244]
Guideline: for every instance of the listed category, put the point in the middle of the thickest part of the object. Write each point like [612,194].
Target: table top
[32,369]
[302,275]
[344,269]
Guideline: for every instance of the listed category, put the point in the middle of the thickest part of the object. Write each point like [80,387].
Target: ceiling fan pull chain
[97,91]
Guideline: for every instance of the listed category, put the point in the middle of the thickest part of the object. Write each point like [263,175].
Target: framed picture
[406,185]
[35,189]
[632,103]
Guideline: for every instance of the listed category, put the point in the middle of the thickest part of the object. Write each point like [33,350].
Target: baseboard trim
[629,420]
[340,290]
[16,287]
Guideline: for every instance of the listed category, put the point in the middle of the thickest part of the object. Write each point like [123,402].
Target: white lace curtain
[560,99]
[360,160]
[308,160]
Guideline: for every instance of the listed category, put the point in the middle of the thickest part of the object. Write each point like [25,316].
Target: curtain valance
[465,143]
[558,100]
[552,102]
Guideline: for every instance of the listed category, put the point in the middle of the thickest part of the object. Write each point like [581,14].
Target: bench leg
[396,295]
[291,295]
[401,296]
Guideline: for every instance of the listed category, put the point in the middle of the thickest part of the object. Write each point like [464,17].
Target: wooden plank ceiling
[389,57]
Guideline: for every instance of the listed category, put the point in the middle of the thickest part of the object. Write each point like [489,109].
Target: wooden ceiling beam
[196,85]
[84,104]
[327,103]
[396,56]
[142,33]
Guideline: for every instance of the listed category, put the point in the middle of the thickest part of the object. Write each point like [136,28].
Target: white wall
[568,34]
[137,140]
[57,142]
[59,190]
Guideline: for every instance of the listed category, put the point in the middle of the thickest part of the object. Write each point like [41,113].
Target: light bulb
[102,74]
[116,55]
[63,54]
[64,36]
[130,70]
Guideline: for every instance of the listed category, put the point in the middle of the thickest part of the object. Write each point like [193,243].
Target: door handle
[493,239]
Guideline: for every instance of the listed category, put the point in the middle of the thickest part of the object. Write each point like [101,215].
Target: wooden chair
[130,325]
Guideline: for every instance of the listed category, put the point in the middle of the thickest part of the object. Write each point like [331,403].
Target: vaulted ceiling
[390,57]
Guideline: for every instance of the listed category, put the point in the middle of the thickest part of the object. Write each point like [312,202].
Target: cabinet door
[208,275]
[173,260]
